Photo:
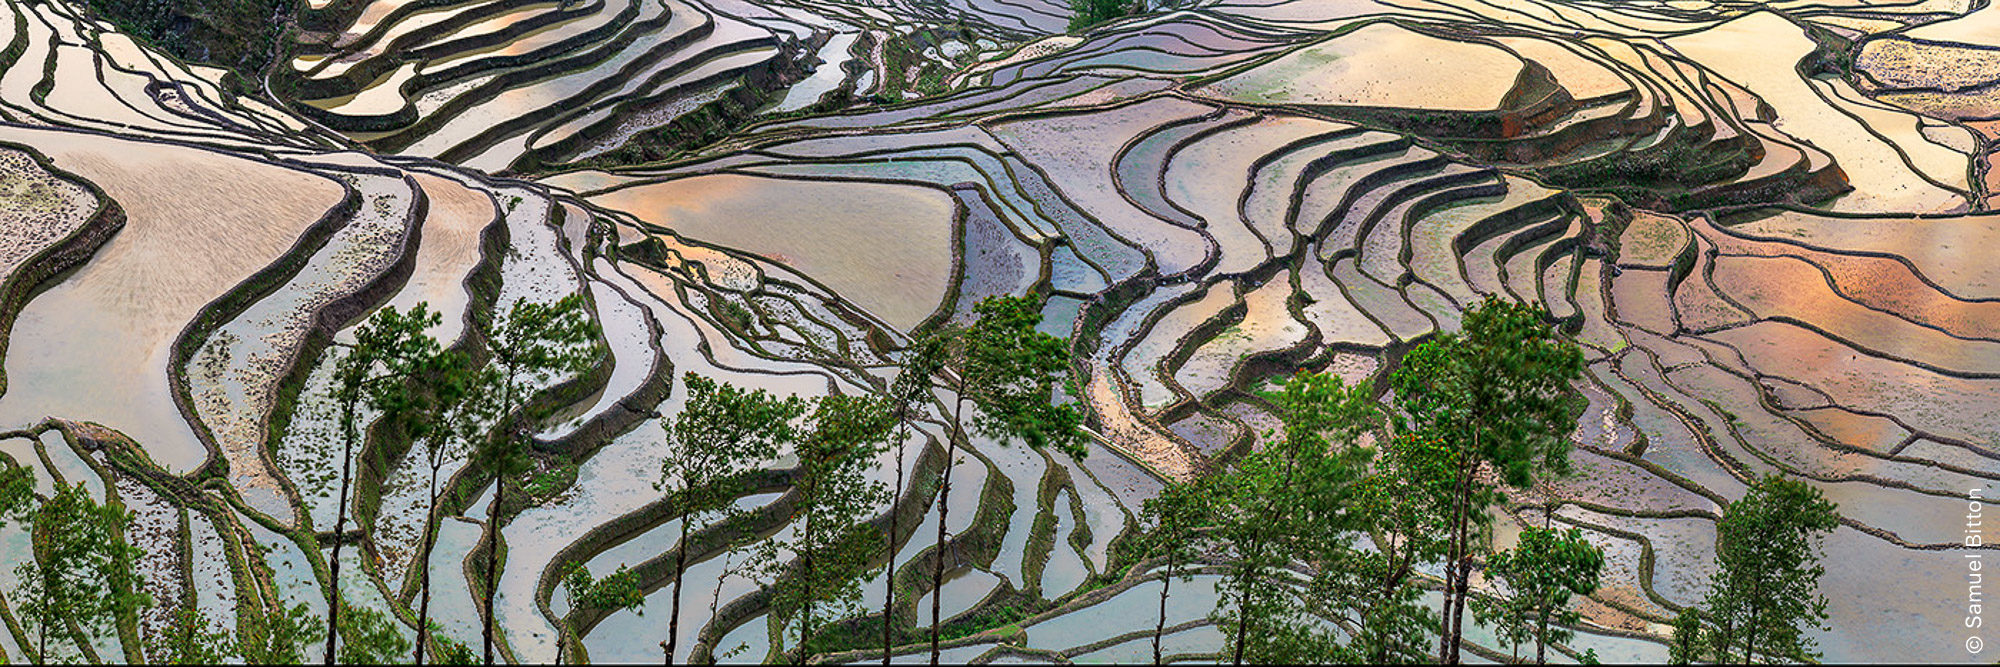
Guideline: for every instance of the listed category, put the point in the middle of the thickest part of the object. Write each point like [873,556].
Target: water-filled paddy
[885,245]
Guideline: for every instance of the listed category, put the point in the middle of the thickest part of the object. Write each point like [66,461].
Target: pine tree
[817,573]
[286,633]
[529,344]
[616,591]
[1540,574]
[1497,393]
[1399,508]
[1172,532]
[1284,504]
[1010,371]
[82,573]
[461,407]
[191,638]
[721,433]
[1686,647]
[373,637]
[908,394]
[1766,588]
[389,350]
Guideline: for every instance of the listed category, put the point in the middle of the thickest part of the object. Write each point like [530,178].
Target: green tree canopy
[82,572]
[370,637]
[1497,392]
[529,344]
[1540,574]
[1011,371]
[817,573]
[721,432]
[191,638]
[1087,13]
[1285,504]
[388,352]
[1766,591]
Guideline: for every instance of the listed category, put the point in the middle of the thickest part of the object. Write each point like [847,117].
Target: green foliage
[17,493]
[190,639]
[1496,389]
[1540,575]
[817,573]
[286,633]
[721,432]
[242,35]
[1087,13]
[457,410]
[1306,496]
[461,406]
[619,590]
[1686,647]
[388,351]
[451,651]
[1171,526]
[369,637]
[543,339]
[1372,591]
[1284,504]
[1495,393]
[82,572]
[1766,590]
[736,314]
[529,344]
[1012,371]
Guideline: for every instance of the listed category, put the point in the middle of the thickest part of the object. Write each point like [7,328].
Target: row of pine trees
[1325,541]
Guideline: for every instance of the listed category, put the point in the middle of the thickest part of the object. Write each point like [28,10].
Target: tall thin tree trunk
[1727,637]
[715,601]
[889,570]
[493,563]
[1471,468]
[680,571]
[499,503]
[806,568]
[1242,618]
[1464,591]
[424,575]
[333,599]
[1542,638]
[1750,636]
[944,510]
[1450,575]
[48,611]
[1460,574]
[1160,629]
[1458,563]
[1257,547]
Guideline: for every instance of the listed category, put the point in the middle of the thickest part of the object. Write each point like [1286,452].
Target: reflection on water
[95,346]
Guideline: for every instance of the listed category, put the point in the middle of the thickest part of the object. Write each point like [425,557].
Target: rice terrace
[999,331]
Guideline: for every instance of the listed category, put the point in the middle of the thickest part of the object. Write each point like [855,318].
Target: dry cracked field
[1769,225]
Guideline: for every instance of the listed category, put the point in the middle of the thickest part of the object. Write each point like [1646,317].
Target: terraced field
[1769,226]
